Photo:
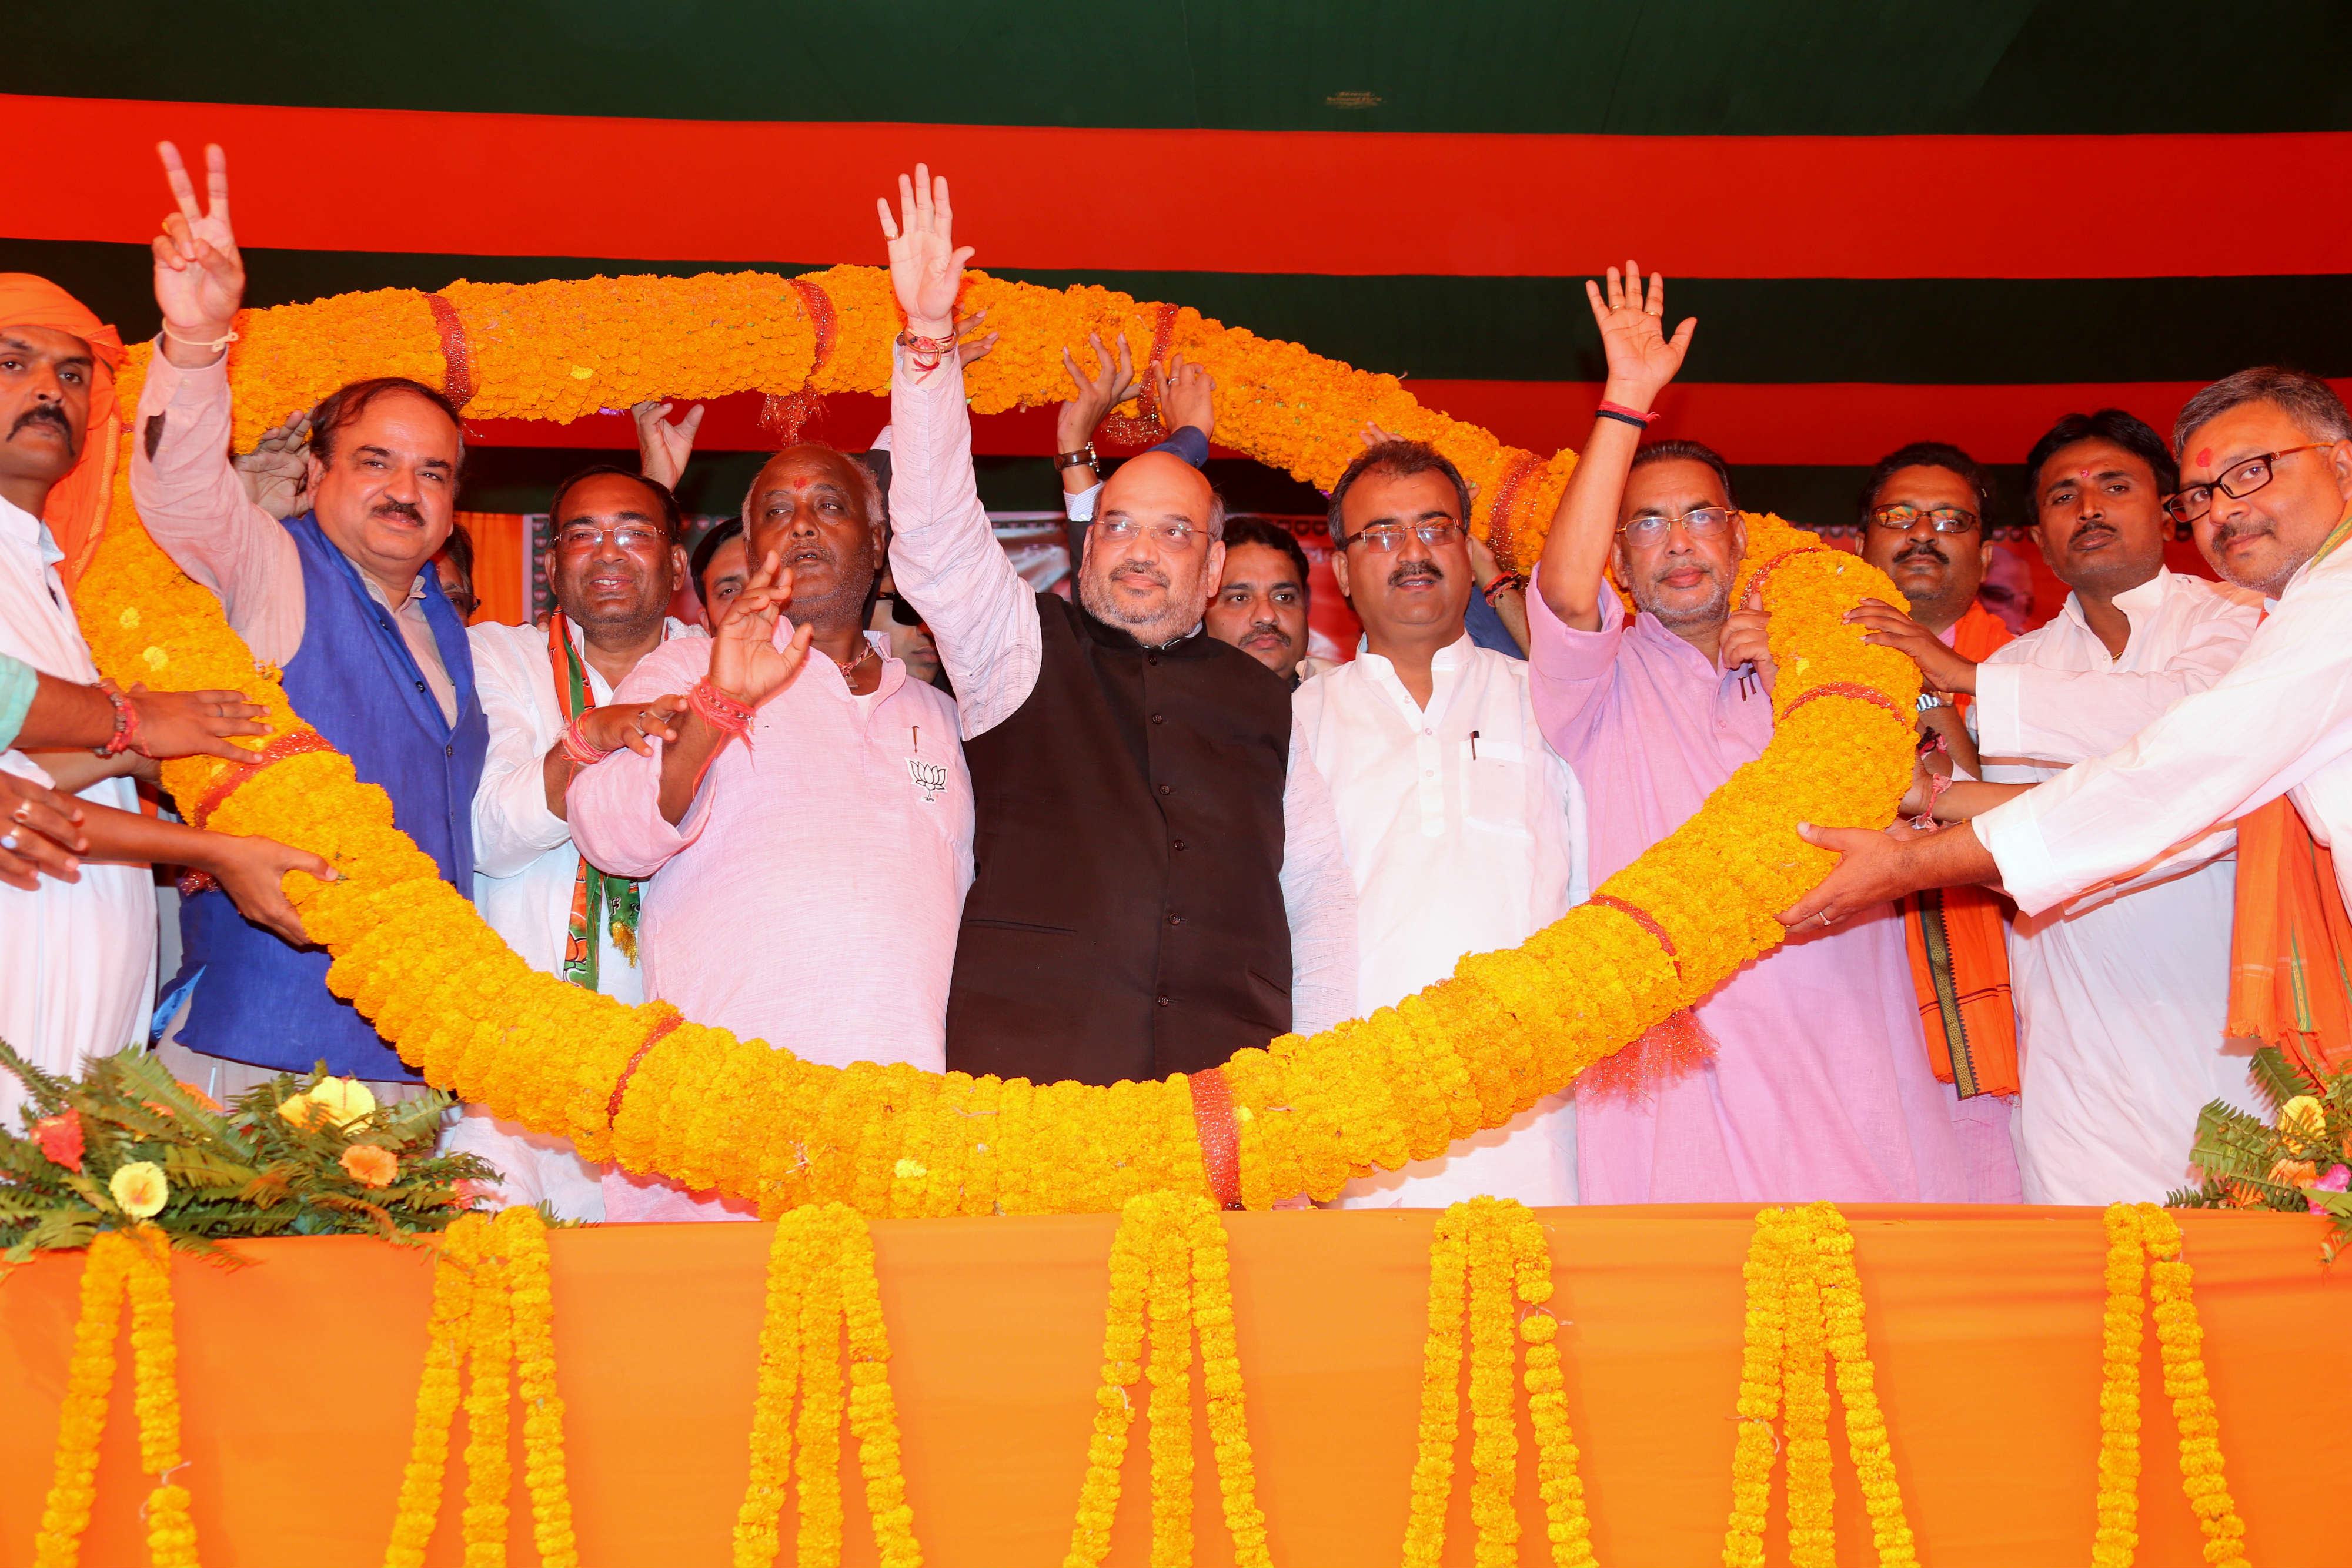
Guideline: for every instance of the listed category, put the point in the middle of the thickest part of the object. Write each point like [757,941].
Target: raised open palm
[746,661]
[926,267]
[1632,331]
[199,276]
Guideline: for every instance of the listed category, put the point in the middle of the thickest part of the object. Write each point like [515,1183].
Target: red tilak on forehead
[2081,473]
[2204,455]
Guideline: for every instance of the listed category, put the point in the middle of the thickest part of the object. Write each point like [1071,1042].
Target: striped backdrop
[1894,222]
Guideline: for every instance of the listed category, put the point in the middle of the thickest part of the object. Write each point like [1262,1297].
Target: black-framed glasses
[2243,478]
[1702,523]
[901,613]
[1387,539]
[1902,517]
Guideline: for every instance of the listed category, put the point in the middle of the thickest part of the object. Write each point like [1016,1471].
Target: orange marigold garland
[1488,1265]
[2138,1232]
[1168,1259]
[821,1280]
[699,1104]
[1804,1301]
[492,1314]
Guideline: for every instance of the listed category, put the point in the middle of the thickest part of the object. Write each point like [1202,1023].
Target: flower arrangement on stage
[661,1093]
[128,1147]
[2299,1161]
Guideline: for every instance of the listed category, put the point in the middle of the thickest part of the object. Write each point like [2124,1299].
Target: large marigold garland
[664,1095]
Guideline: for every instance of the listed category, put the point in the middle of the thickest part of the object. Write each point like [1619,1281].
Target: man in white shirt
[2266,482]
[1462,829]
[616,562]
[2122,996]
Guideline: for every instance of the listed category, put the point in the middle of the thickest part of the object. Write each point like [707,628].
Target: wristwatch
[1084,457]
[1930,700]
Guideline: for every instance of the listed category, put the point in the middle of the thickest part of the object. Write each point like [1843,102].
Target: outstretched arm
[944,556]
[65,713]
[187,490]
[1642,360]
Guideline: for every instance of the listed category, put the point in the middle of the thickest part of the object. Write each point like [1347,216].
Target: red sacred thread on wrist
[925,355]
[126,722]
[1637,415]
[576,745]
[721,711]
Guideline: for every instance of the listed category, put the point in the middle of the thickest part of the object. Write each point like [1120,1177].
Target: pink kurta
[1819,1087]
[810,896]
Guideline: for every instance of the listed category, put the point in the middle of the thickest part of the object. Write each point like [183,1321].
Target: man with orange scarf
[1924,523]
[78,947]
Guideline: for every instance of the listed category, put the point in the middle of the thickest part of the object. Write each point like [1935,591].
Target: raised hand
[199,276]
[926,267]
[1746,639]
[746,663]
[1096,394]
[277,473]
[194,724]
[970,346]
[1188,397]
[663,447]
[1642,358]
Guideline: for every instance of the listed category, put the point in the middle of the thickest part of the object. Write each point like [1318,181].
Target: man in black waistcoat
[1158,881]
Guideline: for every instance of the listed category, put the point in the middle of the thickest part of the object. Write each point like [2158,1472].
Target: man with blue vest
[342,601]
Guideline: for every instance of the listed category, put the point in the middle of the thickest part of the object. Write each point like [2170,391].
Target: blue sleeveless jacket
[353,679]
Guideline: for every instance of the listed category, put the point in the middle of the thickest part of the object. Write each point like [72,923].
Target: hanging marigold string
[1805,1312]
[1168,1259]
[713,1110]
[492,1311]
[2137,1234]
[821,1283]
[136,1265]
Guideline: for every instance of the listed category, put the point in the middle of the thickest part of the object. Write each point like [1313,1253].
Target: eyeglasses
[1176,538]
[2241,481]
[1389,538]
[1902,517]
[901,613]
[628,536]
[1705,523]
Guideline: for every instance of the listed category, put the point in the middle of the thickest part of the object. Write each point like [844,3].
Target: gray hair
[878,511]
[2311,403]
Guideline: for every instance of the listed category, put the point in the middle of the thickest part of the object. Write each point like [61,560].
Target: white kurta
[2279,723]
[524,868]
[2121,995]
[1464,833]
[77,959]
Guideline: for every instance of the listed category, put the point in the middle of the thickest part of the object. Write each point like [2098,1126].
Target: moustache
[44,411]
[2089,531]
[1705,569]
[1927,547]
[2249,528]
[1143,569]
[1268,629]
[1416,572]
[398,509]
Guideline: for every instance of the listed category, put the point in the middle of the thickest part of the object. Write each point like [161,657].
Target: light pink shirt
[811,894]
[1819,1087]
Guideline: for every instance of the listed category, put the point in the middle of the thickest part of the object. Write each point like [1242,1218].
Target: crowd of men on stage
[1145,831]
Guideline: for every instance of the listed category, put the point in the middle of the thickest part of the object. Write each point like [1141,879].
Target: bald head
[1155,552]
[820,512]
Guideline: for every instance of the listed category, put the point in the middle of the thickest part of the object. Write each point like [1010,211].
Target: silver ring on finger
[7,841]
[1825,918]
[24,811]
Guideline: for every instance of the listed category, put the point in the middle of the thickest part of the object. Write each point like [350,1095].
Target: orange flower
[370,1165]
[2294,1173]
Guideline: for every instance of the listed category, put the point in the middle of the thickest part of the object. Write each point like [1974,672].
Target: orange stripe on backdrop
[1829,423]
[1208,201]
[299,1376]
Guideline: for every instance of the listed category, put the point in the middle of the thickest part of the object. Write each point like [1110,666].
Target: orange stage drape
[299,1377]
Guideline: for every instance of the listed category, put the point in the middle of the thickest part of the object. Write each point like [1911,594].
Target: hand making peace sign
[926,267]
[1642,358]
[199,276]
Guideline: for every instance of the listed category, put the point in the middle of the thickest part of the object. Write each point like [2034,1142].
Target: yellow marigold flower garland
[1168,1259]
[713,1110]
[156,1360]
[492,1311]
[1805,1299]
[2146,1230]
[1489,1264]
[821,1279]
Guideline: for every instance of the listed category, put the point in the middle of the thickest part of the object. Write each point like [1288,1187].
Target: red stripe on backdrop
[1207,201]
[1829,422]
